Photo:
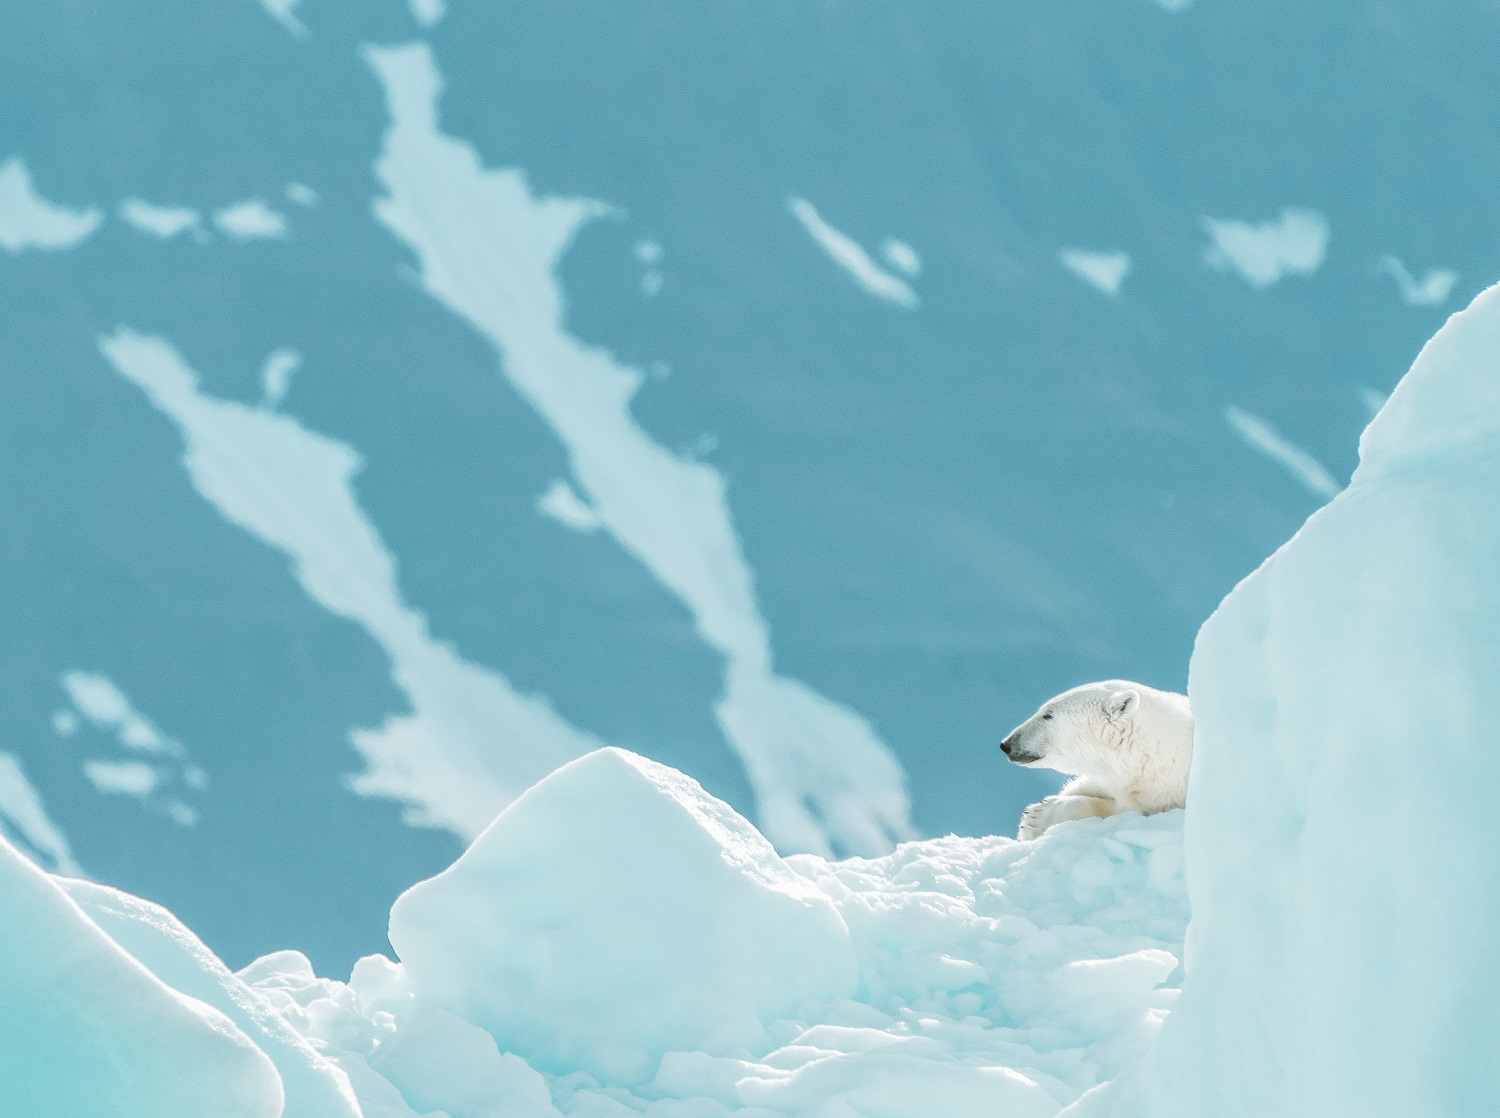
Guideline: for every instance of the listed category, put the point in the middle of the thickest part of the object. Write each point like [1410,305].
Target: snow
[250,220]
[89,1032]
[901,256]
[23,818]
[1433,288]
[565,506]
[1104,270]
[709,934]
[618,942]
[125,778]
[488,249]
[471,743]
[164,222]
[1340,833]
[1301,465]
[428,13]
[283,12]
[99,700]
[276,375]
[1262,254]
[847,253]
[27,220]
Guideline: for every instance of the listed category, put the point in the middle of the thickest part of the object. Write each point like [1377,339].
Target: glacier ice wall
[1342,859]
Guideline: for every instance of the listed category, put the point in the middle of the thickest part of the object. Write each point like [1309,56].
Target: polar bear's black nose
[1005,745]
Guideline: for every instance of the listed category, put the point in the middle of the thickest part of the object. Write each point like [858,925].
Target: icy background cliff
[403,400]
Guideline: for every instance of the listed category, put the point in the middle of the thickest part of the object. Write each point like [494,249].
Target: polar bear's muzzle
[1011,747]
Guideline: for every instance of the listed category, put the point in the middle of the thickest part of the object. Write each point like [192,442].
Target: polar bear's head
[1087,730]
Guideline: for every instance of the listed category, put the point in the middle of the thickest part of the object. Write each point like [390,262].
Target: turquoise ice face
[398,403]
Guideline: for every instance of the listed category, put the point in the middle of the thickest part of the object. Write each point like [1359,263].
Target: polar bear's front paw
[1034,819]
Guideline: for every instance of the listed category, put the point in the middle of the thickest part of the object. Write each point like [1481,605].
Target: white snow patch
[1105,270]
[428,12]
[105,705]
[276,375]
[901,256]
[1433,289]
[565,506]
[122,778]
[471,743]
[27,220]
[23,816]
[1261,436]
[847,254]
[302,194]
[164,222]
[489,248]
[282,11]
[250,220]
[1262,254]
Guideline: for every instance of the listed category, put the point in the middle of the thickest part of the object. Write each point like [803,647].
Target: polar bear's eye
[1047,717]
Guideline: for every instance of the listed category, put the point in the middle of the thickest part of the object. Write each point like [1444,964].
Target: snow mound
[620,943]
[86,1031]
[615,912]
[1341,837]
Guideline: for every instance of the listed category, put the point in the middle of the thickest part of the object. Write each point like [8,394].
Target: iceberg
[1339,840]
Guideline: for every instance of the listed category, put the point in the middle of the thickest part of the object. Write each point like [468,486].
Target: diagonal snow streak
[471,743]
[847,254]
[488,249]
[23,817]
[1261,436]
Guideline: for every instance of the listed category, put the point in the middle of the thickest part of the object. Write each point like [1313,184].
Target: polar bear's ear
[1122,703]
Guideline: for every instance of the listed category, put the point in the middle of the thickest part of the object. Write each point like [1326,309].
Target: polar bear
[1128,746]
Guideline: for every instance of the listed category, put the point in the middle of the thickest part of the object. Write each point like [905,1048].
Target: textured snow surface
[619,942]
[1341,836]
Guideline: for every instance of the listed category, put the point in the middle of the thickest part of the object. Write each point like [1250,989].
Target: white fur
[1128,745]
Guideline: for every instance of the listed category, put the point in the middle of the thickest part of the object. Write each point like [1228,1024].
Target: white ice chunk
[489,250]
[1433,288]
[250,220]
[472,743]
[565,506]
[164,222]
[1295,245]
[276,375]
[616,912]
[165,946]
[1301,465]
[88,1032]
[1105,270]
[27,220]
[1341,834]
[848,254]
[24,816]
[282,11]
[100,701]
